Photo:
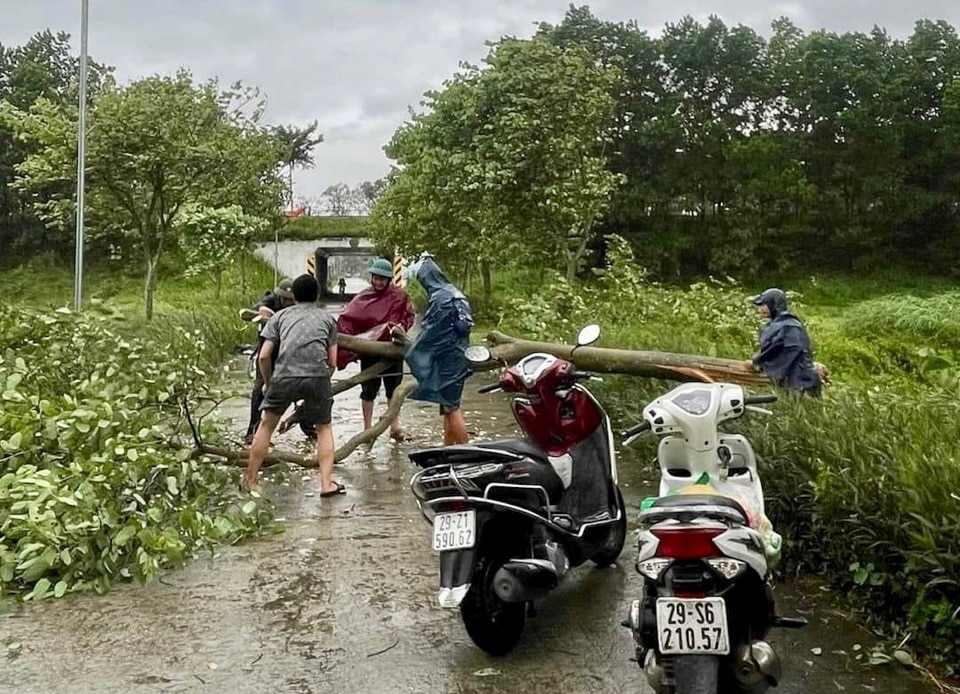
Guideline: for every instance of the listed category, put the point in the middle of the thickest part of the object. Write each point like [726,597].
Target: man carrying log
[785,354]
[373,314]
[306,337]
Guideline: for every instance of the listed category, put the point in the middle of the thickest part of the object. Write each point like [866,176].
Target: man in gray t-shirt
[304,338]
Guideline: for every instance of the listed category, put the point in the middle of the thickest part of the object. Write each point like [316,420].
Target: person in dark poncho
[372,314]
[436,357]
[785,354]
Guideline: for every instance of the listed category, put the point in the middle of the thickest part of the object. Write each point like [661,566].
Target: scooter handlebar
[584,376]
[489,389]
[638,429]
[759,399]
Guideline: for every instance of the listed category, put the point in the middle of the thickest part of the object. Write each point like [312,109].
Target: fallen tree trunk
[509,349]
[240,457]
[668,365]
[647,363]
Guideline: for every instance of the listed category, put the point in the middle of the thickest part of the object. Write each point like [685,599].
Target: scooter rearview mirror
[588,335]
[477,354]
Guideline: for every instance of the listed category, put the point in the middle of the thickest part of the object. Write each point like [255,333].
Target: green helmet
[285,289]
[382,267]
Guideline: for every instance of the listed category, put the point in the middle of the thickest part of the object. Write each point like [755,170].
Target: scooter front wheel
[494,625]
[616,538]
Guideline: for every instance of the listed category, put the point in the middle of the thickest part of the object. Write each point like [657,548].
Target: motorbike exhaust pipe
[757,663]
[522,580]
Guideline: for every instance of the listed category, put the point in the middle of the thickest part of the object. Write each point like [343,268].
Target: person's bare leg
[396,431]
[261,444]
[454,429]
[367,406]
[325,452]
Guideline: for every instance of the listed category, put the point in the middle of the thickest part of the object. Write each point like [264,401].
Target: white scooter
[706,549]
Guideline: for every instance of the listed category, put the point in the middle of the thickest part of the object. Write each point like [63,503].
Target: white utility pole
[81,156]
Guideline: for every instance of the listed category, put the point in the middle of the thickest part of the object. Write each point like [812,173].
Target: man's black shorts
[391,378]
[315,392]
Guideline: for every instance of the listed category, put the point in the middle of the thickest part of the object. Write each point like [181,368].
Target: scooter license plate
[454,530]
[692,625]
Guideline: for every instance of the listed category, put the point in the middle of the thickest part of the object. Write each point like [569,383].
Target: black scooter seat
[523,447]
[506,449]
[690,501]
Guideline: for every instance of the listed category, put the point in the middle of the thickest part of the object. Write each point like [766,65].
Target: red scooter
[511,516]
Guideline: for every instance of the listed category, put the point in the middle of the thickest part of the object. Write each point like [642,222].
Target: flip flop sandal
[339,490]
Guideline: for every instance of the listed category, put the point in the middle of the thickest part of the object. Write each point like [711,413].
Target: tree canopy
[153,148]
[508,156]
[712,148]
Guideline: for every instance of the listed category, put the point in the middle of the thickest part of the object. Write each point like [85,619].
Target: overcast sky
[357,65]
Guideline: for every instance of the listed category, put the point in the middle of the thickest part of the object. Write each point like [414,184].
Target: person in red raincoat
[372,314]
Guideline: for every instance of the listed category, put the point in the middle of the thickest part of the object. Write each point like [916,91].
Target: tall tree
[366,194]
[514,154]
[338,199]
[297,150]
[43,67]
[153,148]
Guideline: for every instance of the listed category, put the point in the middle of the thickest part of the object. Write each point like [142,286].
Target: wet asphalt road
[343,601]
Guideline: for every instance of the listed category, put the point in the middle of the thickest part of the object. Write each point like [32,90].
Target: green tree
[366,194]
[297,149]
[41,68]
[644,135]
[213,238]
[513,155]
[154,147]
[431,200]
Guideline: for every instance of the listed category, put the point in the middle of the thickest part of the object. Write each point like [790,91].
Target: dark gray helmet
[774,299]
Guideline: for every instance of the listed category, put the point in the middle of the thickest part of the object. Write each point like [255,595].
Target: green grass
[113,289]
[310,228]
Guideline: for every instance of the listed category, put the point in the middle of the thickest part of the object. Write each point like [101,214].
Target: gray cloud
[357,65]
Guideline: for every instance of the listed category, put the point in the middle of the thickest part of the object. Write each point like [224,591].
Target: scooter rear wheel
[693,674]
[494,625]
[615,540]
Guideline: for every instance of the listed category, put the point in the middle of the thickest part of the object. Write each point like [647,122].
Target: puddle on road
[343,600]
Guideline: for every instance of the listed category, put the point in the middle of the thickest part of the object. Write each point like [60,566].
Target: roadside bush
[864,485]
[712,317]
[94,484]
[865,488]
[932,321]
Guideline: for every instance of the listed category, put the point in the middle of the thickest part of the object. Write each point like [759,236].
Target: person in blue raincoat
[436,357]
[785,354]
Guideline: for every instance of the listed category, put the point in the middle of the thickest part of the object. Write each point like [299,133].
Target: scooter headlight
[728,568]
[652,568]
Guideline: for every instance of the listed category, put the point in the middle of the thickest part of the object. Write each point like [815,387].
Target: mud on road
[343,601]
